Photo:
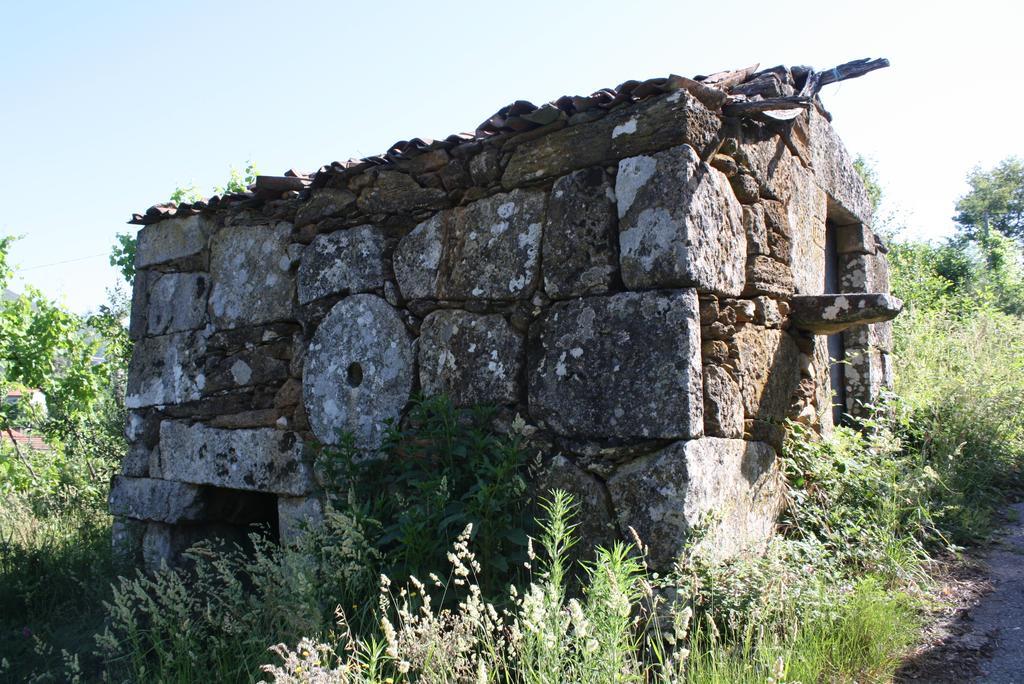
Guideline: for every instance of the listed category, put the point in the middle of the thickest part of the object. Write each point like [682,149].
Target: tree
[994,203]
[866,170]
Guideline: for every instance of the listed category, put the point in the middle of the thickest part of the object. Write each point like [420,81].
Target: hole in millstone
[355,374]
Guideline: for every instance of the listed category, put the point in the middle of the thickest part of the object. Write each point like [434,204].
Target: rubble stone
[323,203]
[671,119]
[723,404]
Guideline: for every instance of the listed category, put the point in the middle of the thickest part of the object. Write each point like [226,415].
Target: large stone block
[768,370]
[649,126]
[262,459]
[808,211]
[174,240]
[249,269]
[835,173]
[343,262]
[679,224]
[177,302]
[727,489]
[126,540]
[580,253]
[138,319]
[358,371]
[829,314]
[144,498]
[473,358]
[166,370]
[596,524]
[488,249]
[863,273]
[867,372]
[625,366]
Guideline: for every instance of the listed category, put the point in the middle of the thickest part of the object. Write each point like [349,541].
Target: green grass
[55,572]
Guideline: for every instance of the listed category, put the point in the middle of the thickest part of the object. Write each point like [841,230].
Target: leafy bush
[445,469]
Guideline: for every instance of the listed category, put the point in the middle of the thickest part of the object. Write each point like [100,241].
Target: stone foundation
[623,278]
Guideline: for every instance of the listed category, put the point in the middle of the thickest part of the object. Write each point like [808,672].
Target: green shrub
[446,468]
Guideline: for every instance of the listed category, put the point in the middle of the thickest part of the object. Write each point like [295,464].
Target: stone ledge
[828,314]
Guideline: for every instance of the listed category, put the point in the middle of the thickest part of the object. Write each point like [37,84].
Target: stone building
[654,277]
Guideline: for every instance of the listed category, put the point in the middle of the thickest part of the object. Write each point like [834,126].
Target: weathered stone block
[126,540]
[255,366]
[296,515]
[358,371]
[261,459]
[756,230]
[488,249]
[397,193]
[808,210]
[863,273]
[855,238]
[580,237]
[323,203]
[768,370]
[829,314]
[596,522]
[249,269]
[473,358]
[872,336]
[649,126]
[835,173]
[342,262]
[723,404]
[136,461]
[766,276]
[166,370]
[729,489]
[137,320]
[868,372]
[626,366]
[177,302]
[173,240]
[143,498]
[679,224]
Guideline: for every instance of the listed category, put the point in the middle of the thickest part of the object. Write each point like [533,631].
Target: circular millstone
[358,371]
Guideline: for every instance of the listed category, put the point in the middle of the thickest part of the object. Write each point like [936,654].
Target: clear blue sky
[107,106]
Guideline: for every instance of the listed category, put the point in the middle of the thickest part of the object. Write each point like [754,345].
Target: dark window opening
[836,350]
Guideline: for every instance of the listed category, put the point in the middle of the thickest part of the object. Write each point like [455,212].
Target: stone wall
[624,279]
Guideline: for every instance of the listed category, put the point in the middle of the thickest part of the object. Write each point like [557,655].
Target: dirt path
[979,637]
